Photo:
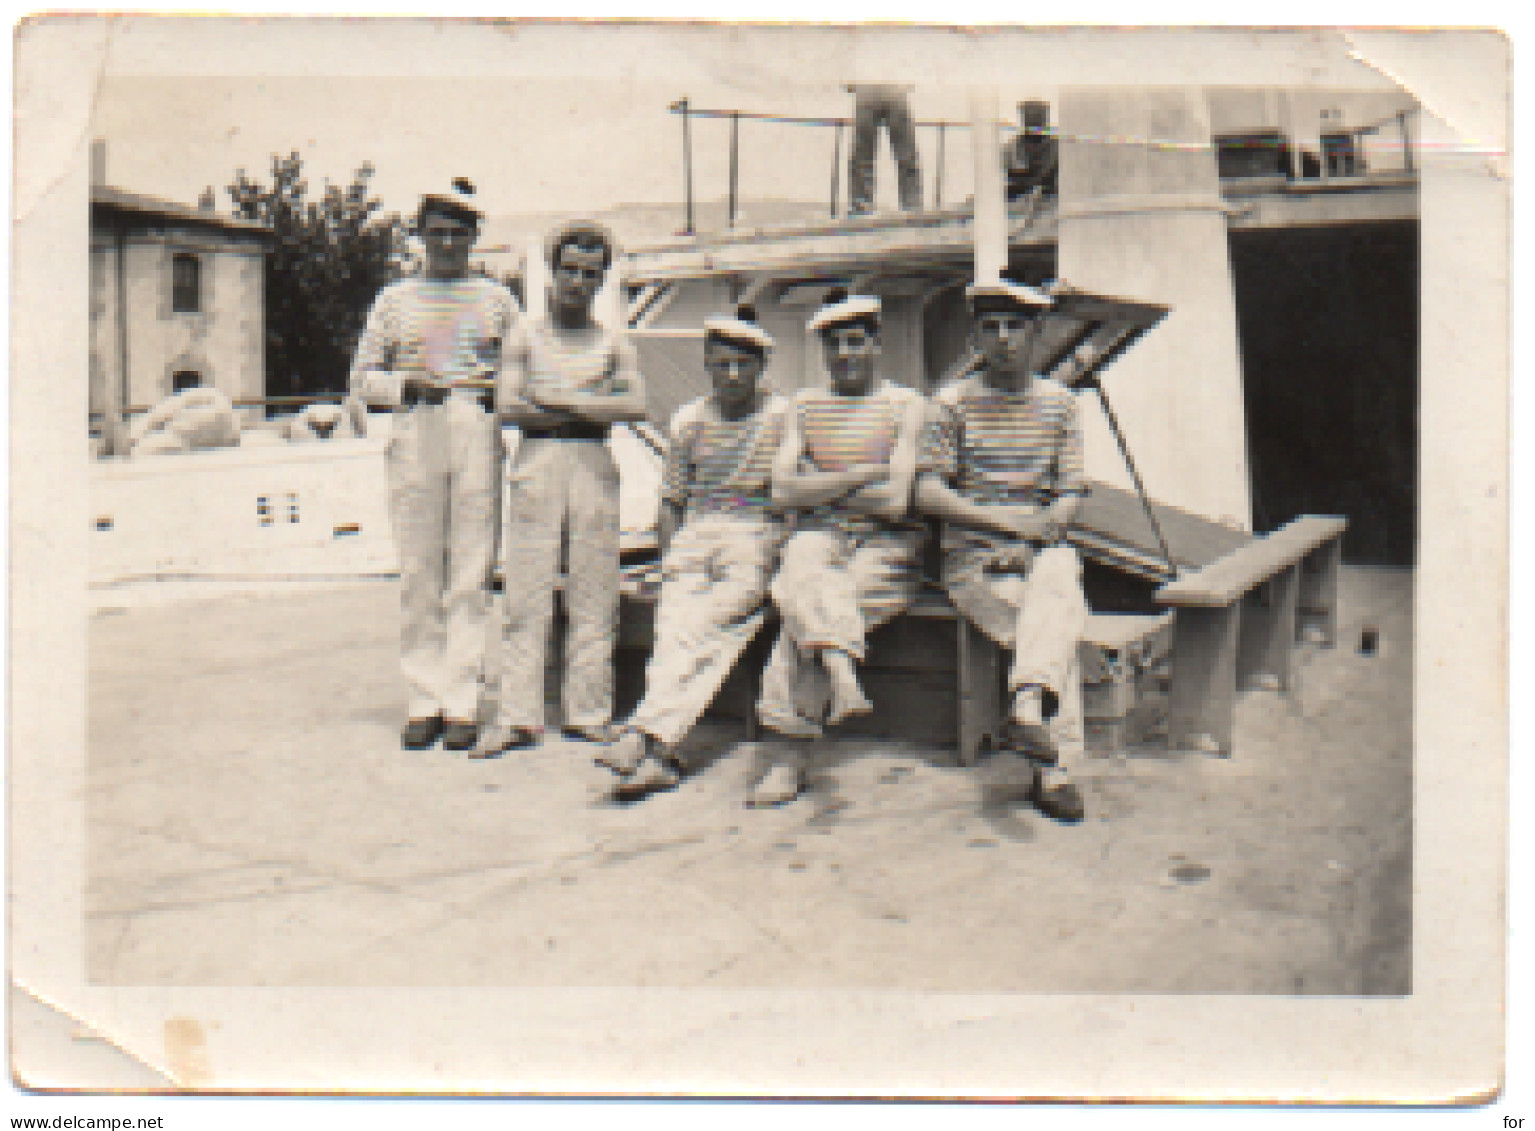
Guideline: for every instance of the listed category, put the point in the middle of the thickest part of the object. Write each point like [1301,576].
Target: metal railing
[684,107]
[1331,162]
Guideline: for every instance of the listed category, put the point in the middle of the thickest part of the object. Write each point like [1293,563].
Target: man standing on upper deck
[430,351]
[720,536]
[846,466]
[567,379]
[1002,466]
[877,105]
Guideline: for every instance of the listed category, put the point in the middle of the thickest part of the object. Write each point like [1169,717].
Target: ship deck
[253,821]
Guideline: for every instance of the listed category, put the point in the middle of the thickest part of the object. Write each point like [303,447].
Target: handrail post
[735,146]
[938,178]
[681,106]
[836,165]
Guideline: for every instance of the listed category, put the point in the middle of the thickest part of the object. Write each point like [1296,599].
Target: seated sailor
[720,537]
[1002,467]
[846,467]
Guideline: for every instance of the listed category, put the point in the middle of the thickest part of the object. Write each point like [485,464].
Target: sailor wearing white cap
[430,351]
[1002,466]
[716,497]
[566,380]
[846,466]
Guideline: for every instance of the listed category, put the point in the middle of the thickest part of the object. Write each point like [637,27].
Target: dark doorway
[1328,318]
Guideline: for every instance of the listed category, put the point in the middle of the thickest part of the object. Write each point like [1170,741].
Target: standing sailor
[1002,466]
[430,350]
[720,538]
[846,467]
[566,381]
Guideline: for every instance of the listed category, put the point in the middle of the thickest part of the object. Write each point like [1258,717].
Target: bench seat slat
[1227,579]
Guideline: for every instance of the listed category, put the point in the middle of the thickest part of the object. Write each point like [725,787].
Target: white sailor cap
[739,327]
[584,233]
[458,204]
[1006,295]
[840,307]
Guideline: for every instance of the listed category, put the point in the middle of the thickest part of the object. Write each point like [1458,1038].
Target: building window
[186,284]
[184,379]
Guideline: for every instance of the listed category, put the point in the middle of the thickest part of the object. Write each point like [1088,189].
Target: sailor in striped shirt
[1002,466]
[430,351]
[846,467]
[566,380]
[720,536]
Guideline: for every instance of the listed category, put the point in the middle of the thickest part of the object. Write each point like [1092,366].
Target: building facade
[176,299]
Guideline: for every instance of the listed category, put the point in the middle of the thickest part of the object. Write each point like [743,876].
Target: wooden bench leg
[980,689]
[1319,593]
[1203,698]
[1267,633]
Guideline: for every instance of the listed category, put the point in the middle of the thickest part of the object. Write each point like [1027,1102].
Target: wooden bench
[1233,622]
[1110,655]
[1239,618]
[1116,654]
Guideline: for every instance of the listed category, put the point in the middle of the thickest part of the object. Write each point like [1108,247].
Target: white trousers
[714,586]
[443,463]
[833,588]
[562,503]
[1041,616]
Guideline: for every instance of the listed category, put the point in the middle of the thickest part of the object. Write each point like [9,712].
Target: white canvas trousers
[1041,617]
[833,588]
[562,509]
[714,587]
[443,462]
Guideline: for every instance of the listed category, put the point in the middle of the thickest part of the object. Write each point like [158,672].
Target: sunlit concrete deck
[253,821]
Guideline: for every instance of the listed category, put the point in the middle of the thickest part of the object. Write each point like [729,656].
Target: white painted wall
[196,514]
[1141,217]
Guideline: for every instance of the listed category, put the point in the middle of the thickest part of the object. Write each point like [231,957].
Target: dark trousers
[872,110]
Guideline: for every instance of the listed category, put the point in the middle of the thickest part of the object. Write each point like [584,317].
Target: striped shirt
[720,466]
[594,360]
[839,432]
[998,447]
[449,329]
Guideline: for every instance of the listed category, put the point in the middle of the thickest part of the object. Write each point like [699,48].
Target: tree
[328,260]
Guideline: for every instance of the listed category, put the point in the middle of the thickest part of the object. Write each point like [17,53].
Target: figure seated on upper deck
[1031,160]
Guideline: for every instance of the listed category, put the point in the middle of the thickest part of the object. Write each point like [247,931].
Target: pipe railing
[684,107]
[940,126]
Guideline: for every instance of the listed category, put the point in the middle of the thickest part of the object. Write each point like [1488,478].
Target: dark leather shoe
[459,736]
[1062,801]
[421,734]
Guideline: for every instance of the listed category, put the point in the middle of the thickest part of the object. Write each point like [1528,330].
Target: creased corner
[54,1049]
[1462,77]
